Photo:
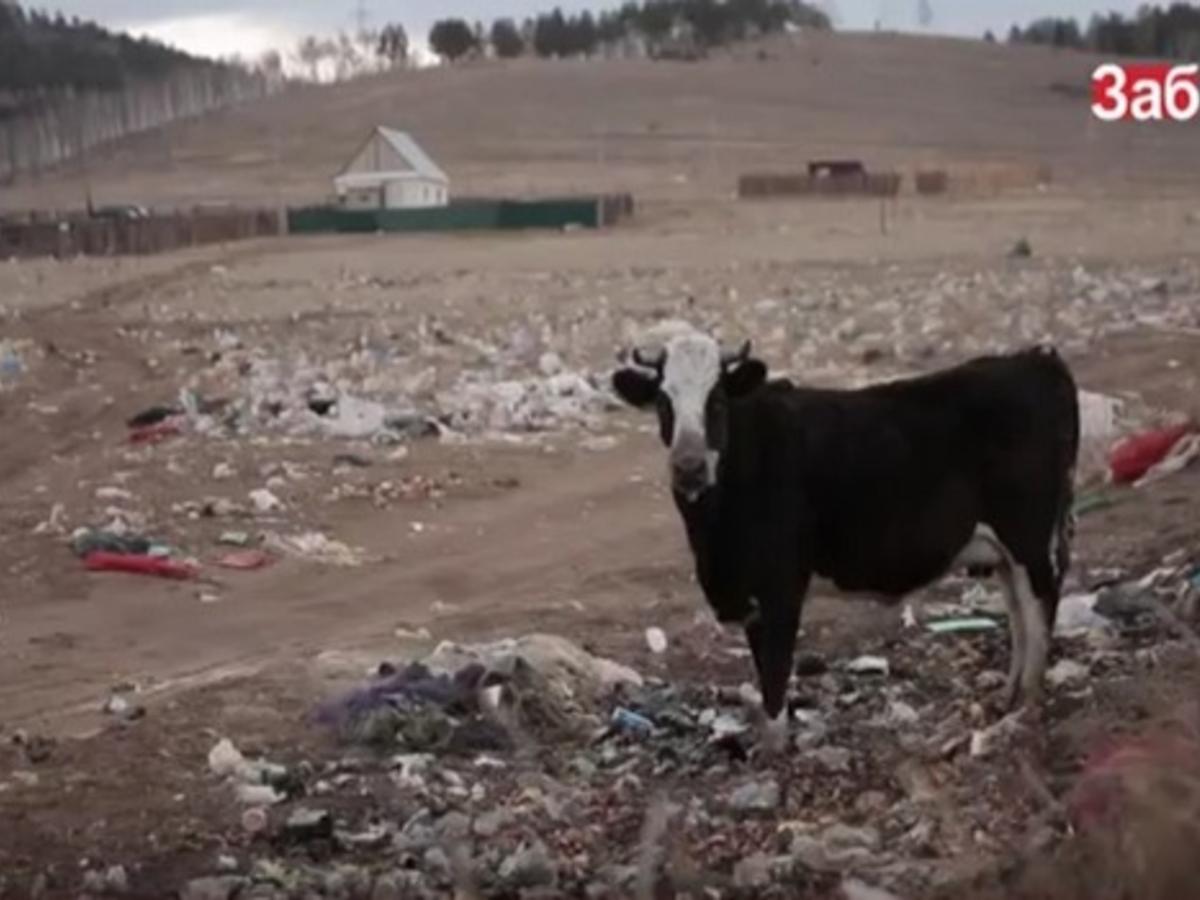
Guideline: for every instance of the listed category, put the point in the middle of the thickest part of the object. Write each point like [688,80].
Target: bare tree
[309,52]
[392,47]
[346,60]
[924,13]
[270,67]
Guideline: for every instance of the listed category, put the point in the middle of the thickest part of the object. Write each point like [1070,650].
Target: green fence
[464,215]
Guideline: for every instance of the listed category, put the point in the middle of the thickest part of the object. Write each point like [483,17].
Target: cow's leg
[1018,635]
[985,548]
[772,638]
[1040,593]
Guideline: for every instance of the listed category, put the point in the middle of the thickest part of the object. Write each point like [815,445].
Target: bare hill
[660,129]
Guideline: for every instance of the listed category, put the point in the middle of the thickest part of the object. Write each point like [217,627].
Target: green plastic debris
[951,626]
[1091,502]
[92,540]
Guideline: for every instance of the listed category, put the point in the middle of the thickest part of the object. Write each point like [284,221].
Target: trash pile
[379,395]
[531,765]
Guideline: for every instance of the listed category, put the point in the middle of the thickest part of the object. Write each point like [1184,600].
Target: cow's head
[690,381]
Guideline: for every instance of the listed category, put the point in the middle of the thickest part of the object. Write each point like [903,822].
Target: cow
[880,490]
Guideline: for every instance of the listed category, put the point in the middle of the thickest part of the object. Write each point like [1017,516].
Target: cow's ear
[635,387]
[744,378]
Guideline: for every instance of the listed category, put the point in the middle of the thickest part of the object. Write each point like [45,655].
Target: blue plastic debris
[628,721]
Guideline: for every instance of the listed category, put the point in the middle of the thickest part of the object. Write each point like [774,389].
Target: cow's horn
[732,357]
[653,360]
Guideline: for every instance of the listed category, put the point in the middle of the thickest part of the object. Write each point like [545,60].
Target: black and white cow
[880,490]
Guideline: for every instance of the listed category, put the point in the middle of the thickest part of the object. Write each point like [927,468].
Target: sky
[250,27]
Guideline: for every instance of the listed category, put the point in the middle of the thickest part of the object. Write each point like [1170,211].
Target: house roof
[419,162]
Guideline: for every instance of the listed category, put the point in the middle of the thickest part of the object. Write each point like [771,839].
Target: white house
[390,171]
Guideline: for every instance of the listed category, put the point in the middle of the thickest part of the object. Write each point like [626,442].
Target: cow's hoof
[1010,700]
[775,734]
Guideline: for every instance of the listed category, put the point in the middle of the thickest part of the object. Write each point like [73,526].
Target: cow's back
[894,478]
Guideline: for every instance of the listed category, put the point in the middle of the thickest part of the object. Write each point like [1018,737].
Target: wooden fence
[867,184]
[156,233]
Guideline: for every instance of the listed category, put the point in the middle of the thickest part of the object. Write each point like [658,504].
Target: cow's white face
[691,383]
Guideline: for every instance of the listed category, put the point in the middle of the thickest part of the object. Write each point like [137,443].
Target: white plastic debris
[570,669]
[113,493]
[225,760]
[1067,673]
[316,547]
[1182,454]
[258,795]
[986,741]
[869,665]
[656,640]
[1077,616]
[264,501]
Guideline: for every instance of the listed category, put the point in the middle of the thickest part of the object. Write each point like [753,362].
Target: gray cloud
[959,17]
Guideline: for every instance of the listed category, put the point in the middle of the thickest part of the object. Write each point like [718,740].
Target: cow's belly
[884,579]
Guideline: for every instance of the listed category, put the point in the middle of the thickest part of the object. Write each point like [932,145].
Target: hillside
[659,129]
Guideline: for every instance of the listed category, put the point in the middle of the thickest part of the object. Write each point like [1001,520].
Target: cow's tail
[1064,400]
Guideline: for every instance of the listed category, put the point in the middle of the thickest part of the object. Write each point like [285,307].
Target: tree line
[67,86]
[1172,33]
[40,53]
[656,25]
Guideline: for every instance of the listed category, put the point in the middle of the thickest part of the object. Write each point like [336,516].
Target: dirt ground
[556,532]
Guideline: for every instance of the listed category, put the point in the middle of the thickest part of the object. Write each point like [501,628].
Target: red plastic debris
[1099,796]
[1133,457]
[155,434]
[138,564]
[245,559]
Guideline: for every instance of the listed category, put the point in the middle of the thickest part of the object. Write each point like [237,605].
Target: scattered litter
[656,640]
[966,624]
[245,560]
[1077,616]
[316,547]
[153,416]
[102,561]
[308,825]
[1092,502]
[258,795]
[11,365]
[254,821]
[1181,455]
[256,782]
[93,540]
[113,493]
[755,797]
[987,741]
[264,501]
[629,722]
[1022,249]
[156,434]
[119,707]
[234,538]
[1135,456]
[868,665]
[1067,673]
